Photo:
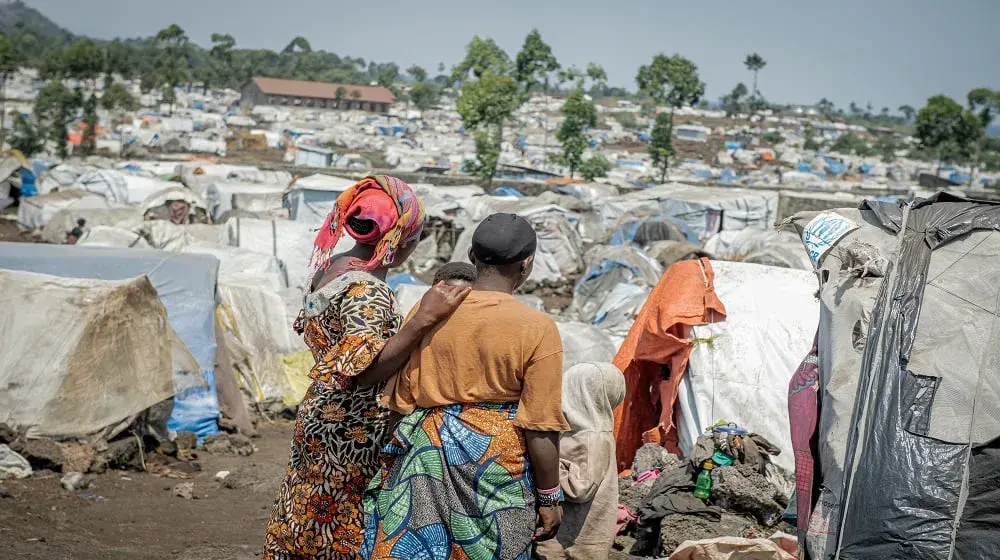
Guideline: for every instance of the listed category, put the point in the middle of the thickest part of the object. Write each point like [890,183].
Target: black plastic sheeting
[903,491]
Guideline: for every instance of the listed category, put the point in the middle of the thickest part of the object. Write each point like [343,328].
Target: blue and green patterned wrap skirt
[455,484]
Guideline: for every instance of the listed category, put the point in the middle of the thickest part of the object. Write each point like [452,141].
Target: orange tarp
[683,298]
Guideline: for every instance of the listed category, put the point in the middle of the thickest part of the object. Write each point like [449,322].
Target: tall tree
[222,57]
[734,102]
[579,114]
[755,63]
[534,63]
[855,109]
[297,45]
[481,55]
[10,62]
[985,103]
[55,108]
[388,74]
[417,73]
[120,60]
[172,67]
[826,108]
[948,130]
[484,105]
[672,80]
[907,112]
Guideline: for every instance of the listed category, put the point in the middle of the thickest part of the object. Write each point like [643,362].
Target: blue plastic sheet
[866,168]
[186,285]
[394,281]
[508,191]
[805,166]
[728,176]
[959,177]
[733,146]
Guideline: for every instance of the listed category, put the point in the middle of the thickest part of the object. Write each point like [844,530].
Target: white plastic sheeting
[167,236]
[267,197]
[242,267]
[107,236]
[740,368]
[36,212]
[759,246]
[12,464]
[584,343]
[112,356]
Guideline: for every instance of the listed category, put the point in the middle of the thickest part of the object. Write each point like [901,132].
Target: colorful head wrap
[388,202]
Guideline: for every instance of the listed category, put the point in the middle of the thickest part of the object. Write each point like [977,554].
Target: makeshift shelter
[36,212]
[311,198]
[251,197]
[739,367]
[175,204]
[654,356]
[112,355]
[903,394]
[768,247]
[186,285]
[125,218]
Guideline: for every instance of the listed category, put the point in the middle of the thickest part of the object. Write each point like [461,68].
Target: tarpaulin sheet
[655,353]
[739,368]
[186,285]
[81,355]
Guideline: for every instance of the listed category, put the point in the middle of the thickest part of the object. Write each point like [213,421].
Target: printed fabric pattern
[455,484]
[339,428]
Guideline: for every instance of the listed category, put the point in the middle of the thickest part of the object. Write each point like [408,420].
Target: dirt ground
[130,515]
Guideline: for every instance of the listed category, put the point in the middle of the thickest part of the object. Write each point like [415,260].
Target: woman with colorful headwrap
[350,323]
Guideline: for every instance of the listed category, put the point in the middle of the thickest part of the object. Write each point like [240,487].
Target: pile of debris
[660,507]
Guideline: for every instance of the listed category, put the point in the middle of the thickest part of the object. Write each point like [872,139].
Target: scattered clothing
[655,353]
[671,494]
[456,483]
[588,473]
[339,427]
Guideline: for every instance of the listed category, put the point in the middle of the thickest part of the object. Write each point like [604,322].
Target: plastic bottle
[703,485]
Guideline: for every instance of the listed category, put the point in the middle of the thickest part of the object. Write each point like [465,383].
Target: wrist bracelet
[550,500]
[550,491]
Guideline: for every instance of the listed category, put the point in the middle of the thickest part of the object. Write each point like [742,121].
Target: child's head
[590,393]
[456,274]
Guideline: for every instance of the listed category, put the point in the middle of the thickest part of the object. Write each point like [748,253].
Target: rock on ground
[633,495]
[234,444]
[75,481]
[184,490]
[675,529]
[7,434]
[652,456]
[40,453]
[742,489]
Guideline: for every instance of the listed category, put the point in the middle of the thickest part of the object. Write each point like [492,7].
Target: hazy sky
[888,52]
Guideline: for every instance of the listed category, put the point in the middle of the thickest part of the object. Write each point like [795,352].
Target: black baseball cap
[503,239]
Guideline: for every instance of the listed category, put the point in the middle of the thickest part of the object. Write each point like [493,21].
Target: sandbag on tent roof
[186,285]
[739,368]
[311,198]
[907,390]
[81,356]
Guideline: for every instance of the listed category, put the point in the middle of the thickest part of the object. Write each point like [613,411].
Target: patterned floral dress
[340,428]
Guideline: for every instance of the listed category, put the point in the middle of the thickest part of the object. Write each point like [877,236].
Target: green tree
[297,45]
[10,62]
[481,55]
[810,139]
[28,137]
[627,120]
[172,63]
[826,108]
[417,73]
[534,63]
[985,103]
[355,94]
[886,147]
[55,108]
[661,145]
[119,59]
[484,105]
[579,114]
[339,94]
[855,109]
[388,74]
[735,101]
[425,94]
[907,112]
[947,130]
[755,63]
[672,80]
[594,167]
[83,61]
[221,57]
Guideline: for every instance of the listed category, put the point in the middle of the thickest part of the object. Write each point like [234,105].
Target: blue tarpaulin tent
[186,285]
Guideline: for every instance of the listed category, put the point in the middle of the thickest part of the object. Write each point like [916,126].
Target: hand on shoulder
[440,302]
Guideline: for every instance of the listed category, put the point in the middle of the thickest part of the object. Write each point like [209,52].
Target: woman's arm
[543,449]
[437,304]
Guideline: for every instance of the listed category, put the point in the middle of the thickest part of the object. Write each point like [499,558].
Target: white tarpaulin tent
[112,354]
[740,368]
[311,198]
[35,212]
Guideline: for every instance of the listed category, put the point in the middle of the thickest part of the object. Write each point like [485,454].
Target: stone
[186,441]
[675,529]
[652,456]
[239,479]
[221,475]
[74,481]
[229,444]
[742,489]
[7,434]
[77,457]
[5,493]
[632,495]
[184,490]
[41,453]
[124,453]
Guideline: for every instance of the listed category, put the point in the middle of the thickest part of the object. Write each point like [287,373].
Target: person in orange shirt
[472,469]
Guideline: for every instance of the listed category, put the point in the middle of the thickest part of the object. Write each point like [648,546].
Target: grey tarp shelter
[185,282]
[908,442]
